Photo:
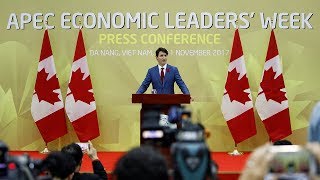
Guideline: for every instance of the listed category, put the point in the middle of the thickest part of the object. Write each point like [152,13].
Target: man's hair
[75,151]
[161,49]
[59,164]
[282,142]
[141,163]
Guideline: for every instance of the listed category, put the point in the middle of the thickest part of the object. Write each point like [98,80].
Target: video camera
[190,155]
[292,162]
[17,167]
[153,132]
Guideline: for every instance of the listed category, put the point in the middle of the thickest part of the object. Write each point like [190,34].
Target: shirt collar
[165,67]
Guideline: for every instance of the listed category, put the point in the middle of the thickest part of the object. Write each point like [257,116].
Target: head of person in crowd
[282,142]
[59,165]
[75,151]
[143,163]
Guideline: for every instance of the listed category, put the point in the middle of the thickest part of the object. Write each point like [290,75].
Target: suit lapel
[156,70]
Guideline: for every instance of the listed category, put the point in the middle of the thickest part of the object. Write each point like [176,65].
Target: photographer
[75,151]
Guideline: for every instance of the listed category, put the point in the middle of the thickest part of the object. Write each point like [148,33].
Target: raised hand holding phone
[92,152]
[83,146]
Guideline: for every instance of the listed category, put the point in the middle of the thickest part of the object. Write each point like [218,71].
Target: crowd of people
[139,163]
[147,163]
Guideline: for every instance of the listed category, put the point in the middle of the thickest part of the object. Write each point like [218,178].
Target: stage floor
[230,167]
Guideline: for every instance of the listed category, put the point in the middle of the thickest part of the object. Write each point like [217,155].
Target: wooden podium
[171,99]
[164,100]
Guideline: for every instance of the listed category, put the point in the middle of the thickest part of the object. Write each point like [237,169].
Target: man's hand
[257,164]
[92,152]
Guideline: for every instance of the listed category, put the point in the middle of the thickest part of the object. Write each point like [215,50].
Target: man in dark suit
[163,76]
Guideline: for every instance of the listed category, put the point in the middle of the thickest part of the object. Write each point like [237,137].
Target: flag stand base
[45,151]
[235,152]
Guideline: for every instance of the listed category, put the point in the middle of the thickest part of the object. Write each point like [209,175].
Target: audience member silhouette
[59,165]
[142,163]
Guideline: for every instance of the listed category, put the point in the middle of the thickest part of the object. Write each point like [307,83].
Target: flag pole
[235,152]
[45,150]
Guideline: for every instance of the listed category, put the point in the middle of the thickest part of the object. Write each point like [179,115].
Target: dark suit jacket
[98,170]
[172,75]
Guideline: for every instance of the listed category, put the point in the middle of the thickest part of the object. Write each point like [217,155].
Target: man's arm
[97,166]
[145,84]
[180,82]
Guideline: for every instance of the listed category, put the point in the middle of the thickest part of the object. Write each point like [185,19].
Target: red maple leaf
[80,88]
[271,87]
[235,88]
[44,88]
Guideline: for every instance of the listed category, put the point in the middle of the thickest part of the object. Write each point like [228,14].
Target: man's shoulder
[171,67]
[89,176]
[153,68]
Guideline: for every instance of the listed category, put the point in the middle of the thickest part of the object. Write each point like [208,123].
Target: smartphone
[84,146]
[291,162]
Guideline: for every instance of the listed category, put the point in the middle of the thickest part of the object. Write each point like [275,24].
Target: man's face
[162,58]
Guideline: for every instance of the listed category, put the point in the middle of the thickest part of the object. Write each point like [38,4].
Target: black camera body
[17,167]
[191,155]
[152,133]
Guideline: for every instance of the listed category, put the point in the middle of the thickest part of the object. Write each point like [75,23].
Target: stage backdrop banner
[121,38]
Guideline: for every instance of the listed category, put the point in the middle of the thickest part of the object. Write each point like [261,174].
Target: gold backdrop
[115,77]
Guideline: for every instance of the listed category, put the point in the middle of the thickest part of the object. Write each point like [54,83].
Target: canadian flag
[272,103]
[80,102]
[237,105]
[47,106]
